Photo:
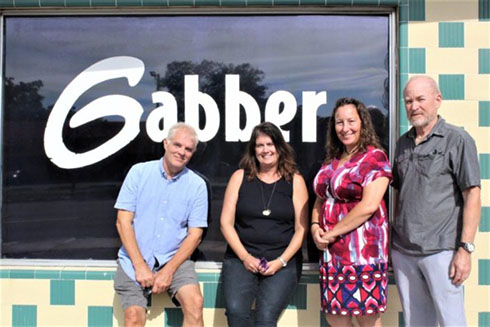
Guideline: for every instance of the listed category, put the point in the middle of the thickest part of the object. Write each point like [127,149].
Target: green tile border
[26,3]
[484,113]
[47,274]
[416,61]
[485,166]
[129,3]
[483,269]
[485,220]
[207,2]
[414,10]
[21,274]
[484,10]
[451,35]
[483,319]
[483,61]
[403,60]
[208,277]
[52,3]
[24,315]
[403,120]
[73,274]
[173,317]
[62,292]
[77,3]
[100,275]
[403,14]
[6,3]
[306,278]
[452,86]
[103,3]
[213,295]
[99,316]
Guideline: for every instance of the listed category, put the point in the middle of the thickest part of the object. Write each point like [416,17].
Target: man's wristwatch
[467,246]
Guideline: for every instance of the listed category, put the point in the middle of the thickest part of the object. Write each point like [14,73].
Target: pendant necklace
[267,211]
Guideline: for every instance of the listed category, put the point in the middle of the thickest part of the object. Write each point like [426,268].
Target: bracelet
[246,257]
[315,223]
[284,262]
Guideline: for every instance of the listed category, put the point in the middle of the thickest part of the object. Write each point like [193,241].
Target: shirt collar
[438,129]
[164,174]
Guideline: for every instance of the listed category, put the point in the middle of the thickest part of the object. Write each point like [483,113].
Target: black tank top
[264,236]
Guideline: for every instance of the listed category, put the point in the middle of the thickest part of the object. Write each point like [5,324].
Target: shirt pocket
[430,164]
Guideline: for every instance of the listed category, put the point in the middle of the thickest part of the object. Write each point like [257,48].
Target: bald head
[427,81]
[422,100]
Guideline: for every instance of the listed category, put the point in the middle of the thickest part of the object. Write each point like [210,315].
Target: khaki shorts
[131,293]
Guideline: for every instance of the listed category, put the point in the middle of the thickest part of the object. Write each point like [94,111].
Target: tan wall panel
[459,113]
[25,291]
[423,34]
[485,199]
[94,292]
[477,34]
[477,87]
[452,61]
[62,315]
[482,140]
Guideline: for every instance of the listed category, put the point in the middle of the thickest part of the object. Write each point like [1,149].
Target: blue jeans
[271,293]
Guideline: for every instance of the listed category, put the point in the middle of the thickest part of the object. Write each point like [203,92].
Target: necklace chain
[267,211]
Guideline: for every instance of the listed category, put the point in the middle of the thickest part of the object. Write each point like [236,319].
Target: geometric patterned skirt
[354,290]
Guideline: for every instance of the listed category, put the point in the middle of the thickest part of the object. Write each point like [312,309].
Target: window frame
[393,27]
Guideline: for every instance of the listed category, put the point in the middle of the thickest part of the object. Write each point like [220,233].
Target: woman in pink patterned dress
[350,220]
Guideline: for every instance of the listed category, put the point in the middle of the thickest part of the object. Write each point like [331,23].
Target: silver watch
[467,246]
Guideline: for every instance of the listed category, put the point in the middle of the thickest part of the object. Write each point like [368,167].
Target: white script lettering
[132,69]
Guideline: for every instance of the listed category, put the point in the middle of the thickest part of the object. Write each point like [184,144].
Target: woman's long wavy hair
[286,166]
[334,146]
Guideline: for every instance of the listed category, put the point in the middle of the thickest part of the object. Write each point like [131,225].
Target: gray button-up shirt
[430,178]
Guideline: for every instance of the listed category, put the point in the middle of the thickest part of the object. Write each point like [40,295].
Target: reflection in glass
[49,212]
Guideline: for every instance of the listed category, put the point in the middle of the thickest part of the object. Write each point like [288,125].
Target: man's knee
[134,316]
[194,304]
[191,301]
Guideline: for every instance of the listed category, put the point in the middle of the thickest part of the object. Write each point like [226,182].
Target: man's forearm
[471,213]
[190,243]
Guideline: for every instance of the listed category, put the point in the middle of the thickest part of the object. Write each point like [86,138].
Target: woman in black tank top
[264,220]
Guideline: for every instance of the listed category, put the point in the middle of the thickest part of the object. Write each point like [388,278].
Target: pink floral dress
[353,269]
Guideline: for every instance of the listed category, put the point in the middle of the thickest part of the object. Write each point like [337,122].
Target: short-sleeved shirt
[430,178]
[163,210]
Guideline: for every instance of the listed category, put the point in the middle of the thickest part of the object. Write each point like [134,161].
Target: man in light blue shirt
[162,210]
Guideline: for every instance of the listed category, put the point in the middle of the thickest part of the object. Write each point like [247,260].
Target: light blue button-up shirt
[163,210]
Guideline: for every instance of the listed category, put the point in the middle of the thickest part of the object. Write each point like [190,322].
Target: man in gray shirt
[438,205]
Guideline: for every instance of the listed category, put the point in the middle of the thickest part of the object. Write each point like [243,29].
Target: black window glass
[132,76]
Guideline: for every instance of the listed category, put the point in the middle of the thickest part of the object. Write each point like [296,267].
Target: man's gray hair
[430,80]
[183,126]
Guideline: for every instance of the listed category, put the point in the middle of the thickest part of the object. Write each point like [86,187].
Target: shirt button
[158,235]
[164,201]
